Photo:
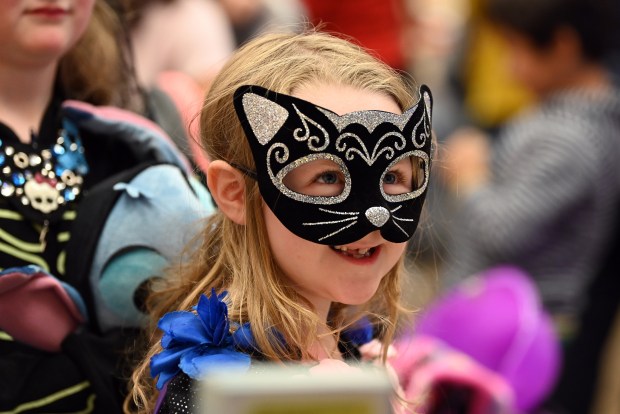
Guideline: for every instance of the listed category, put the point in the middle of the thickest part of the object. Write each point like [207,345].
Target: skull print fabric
[286,134]
[42,182]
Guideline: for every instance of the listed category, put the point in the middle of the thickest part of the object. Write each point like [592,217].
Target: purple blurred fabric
[496,318]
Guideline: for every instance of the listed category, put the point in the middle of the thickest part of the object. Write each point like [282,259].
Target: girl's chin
[356,298]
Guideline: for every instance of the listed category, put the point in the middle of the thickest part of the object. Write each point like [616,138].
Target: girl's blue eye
[390,178]
[329,177]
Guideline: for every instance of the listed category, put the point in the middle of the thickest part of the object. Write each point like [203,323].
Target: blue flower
[360,333]
[197,343]
[244,338]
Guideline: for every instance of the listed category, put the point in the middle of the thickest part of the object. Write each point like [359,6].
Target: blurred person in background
[543,196]
[489,92]
[191,36]
[544,193]
[377,26]
[250,18]
[66,163]
[178,47]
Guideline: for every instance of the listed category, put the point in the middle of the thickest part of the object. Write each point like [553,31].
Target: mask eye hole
[318,178]
[406,177]
[321,177]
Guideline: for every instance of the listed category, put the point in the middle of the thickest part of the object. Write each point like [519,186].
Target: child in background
[544,196]
[320,165]
[61,342]
[176,66]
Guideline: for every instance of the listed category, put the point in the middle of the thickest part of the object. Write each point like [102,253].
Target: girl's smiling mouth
[358,254]
[49,11]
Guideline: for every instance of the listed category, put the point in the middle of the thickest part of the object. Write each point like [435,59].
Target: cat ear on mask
[264,116]
[427,98]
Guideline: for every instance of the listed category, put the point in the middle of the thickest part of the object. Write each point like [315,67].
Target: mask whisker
[402,219]
[344,213]
[318,223]
[401,229]
[337,231]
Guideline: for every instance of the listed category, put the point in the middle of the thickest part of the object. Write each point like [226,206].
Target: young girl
[320,164]
[60,342]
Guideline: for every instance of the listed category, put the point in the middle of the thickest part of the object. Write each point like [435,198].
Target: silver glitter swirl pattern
[313,140]
[427,103]
[377,150]
[419,143]
[368,119]
[281,153]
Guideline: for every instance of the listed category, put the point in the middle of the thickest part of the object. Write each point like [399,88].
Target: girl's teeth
[356,253]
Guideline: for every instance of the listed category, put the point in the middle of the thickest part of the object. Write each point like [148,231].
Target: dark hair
[594,21]
[134,9]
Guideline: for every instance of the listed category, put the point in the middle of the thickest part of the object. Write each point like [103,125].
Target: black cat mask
[285,133]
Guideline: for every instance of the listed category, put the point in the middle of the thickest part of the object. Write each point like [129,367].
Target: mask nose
[377,215]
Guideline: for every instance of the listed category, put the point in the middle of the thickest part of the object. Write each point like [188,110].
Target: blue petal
[220,333]
[170,318]
[278,337]
[167,359]
[202,361]
[244,338]
[164,377]
[360,333]
[166,364]
[214,315]
[181,327]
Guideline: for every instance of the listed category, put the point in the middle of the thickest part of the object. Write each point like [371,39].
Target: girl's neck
[325,346]
[24,96]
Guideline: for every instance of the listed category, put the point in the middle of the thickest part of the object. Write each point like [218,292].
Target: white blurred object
[287,15]
[282,390]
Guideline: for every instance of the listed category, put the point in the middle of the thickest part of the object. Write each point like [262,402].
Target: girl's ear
[227,187]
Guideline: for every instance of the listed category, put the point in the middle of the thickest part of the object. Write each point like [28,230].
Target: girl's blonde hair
[238,258]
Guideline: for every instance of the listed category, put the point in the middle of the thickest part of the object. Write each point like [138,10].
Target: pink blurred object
[497,320]
[36,309]
[188,98]
[430,371]
[330,366]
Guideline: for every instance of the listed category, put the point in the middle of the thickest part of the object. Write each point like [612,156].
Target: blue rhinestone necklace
[45,180]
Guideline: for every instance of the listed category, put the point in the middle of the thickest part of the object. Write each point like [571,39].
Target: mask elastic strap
[244,170]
